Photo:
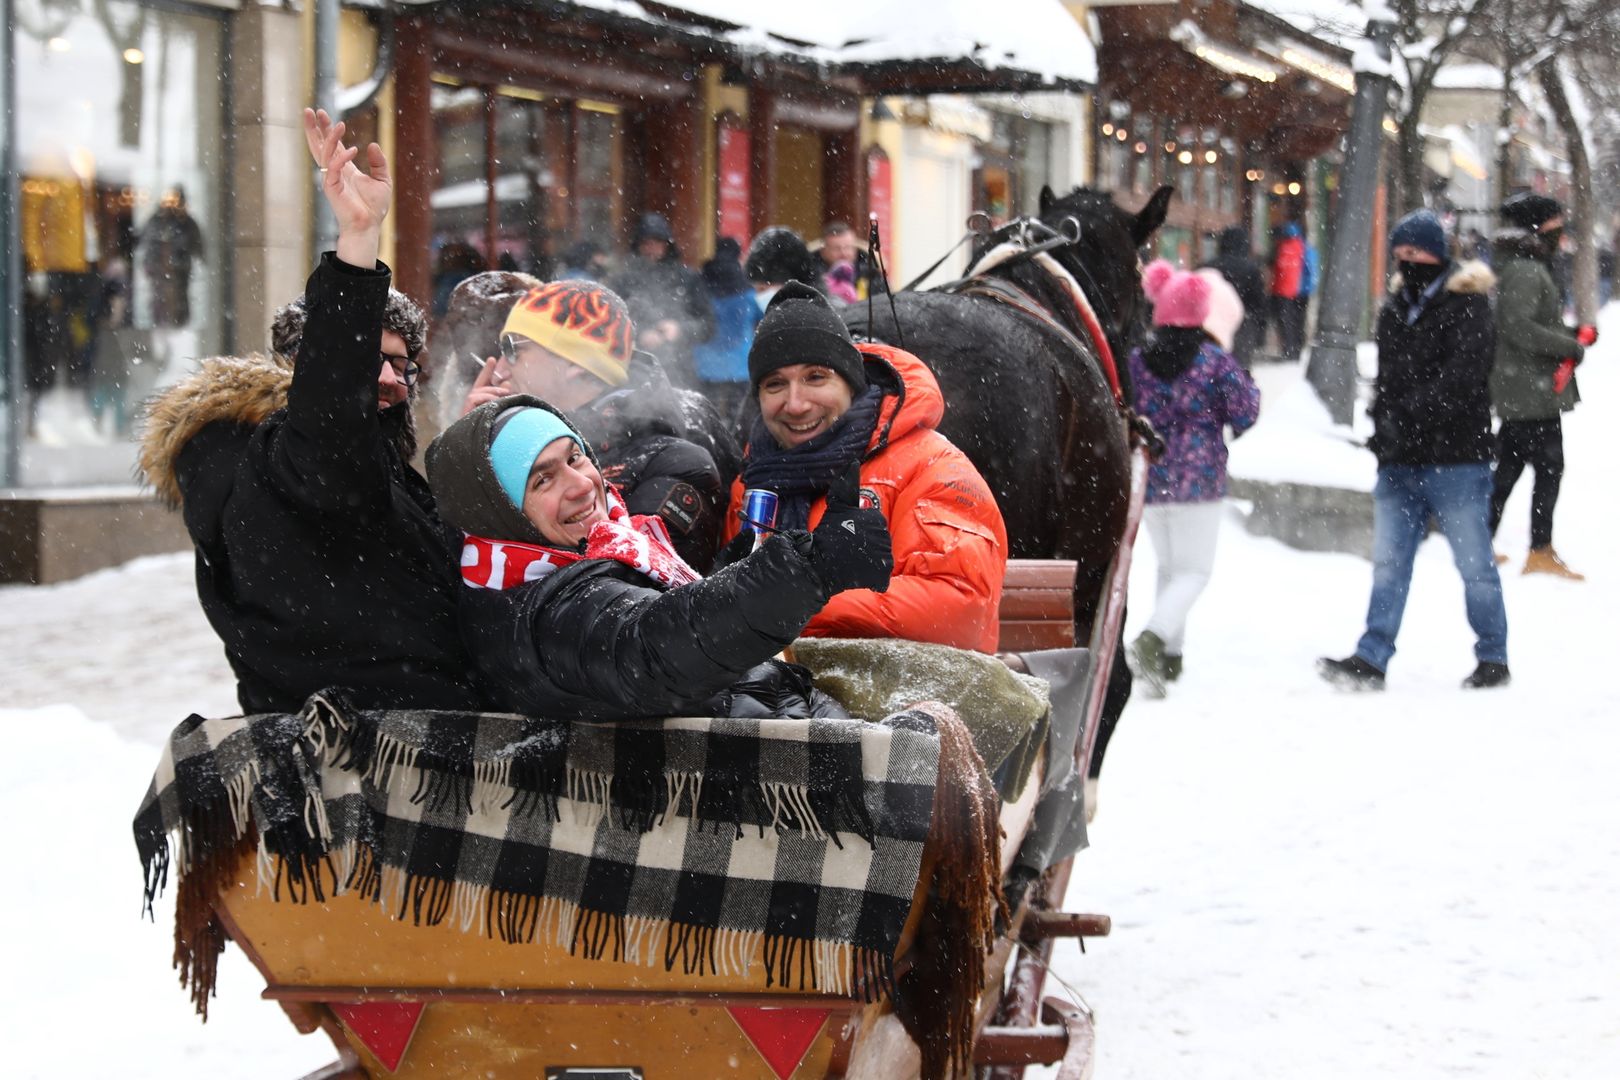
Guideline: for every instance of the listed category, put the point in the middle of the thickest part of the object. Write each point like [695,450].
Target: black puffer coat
[1432,404]
[668,452]
[599,640]
[320,558]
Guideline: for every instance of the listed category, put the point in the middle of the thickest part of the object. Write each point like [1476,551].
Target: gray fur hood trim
[233,389]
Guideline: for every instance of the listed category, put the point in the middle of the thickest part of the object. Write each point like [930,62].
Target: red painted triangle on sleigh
[384,1027]
[782,1036]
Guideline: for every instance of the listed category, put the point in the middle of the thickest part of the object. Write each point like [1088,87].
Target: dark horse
[1028,403]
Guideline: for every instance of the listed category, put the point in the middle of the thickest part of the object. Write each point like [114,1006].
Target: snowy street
[1415,884]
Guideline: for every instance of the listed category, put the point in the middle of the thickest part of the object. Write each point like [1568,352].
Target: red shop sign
[732,202]
[880,198]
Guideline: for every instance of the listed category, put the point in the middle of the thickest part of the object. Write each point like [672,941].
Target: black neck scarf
[801,475]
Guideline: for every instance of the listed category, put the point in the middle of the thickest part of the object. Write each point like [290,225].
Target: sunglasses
[511,344]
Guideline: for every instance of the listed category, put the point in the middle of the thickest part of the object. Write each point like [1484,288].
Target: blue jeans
[1459,498]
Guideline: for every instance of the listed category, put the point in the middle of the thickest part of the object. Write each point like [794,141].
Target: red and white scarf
[640,541]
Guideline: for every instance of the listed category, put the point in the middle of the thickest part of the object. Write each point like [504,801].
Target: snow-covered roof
[1038,36]
[1468,76]
[1333,21]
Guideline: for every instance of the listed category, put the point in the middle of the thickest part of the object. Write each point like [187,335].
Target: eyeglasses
[406,368]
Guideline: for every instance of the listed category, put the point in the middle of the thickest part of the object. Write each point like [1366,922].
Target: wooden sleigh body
[402,1000]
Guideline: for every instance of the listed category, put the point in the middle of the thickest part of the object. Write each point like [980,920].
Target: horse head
[1104,257]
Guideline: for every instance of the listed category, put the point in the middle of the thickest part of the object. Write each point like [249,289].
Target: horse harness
[1005,292]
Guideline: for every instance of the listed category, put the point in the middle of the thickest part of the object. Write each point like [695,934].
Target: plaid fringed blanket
[687,842]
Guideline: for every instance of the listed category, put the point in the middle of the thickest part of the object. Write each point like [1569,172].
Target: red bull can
[759,512]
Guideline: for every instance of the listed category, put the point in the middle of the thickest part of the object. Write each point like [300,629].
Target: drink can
[759,511]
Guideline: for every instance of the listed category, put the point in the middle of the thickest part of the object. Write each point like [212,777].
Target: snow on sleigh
[477,894]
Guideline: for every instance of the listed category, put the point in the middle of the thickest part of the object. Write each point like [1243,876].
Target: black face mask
[1551,239]
[1419,276]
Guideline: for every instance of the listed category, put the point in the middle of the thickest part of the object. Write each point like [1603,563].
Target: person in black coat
[1432,437]
[1234,262]
[321,561]
[668,301]
[575,607]
[570,343]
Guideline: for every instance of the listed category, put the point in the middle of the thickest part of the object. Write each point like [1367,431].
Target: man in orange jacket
[826,405]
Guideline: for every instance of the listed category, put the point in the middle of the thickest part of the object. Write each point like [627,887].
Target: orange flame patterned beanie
[580,321]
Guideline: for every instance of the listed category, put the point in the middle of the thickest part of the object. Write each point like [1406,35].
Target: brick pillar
[762,157]
[416,161]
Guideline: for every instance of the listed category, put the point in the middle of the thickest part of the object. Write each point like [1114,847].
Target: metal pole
[1332,370]
[326,97]
[13,404]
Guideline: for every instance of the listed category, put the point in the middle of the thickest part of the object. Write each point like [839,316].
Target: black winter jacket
[668,452]
[598,640]
[1432,403]
[666,289]
[320,559]
[1239,268]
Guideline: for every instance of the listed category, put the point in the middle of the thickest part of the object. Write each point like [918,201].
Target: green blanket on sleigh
[1006,712]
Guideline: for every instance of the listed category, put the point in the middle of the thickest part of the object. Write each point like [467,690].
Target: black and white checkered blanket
[690,842]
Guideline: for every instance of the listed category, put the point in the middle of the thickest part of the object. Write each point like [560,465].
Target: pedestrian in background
[667,301]
[1287,279]
[1237,265]
[722,361]
[1432,435]
[1191,389]
[1533,378]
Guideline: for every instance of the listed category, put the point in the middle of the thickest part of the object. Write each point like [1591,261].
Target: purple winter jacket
[1191,413]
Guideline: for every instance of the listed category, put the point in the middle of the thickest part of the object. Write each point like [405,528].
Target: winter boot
[1147,662]
[1544,560]
[1487,676]
[1351,673]
[1172,667]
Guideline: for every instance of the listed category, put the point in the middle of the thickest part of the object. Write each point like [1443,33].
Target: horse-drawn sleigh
[498,896]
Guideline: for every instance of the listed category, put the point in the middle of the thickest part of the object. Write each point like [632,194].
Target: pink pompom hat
[1179,297]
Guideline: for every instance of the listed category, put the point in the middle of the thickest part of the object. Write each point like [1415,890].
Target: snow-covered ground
[1423,883]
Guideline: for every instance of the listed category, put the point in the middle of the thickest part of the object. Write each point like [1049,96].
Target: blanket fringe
[937,998]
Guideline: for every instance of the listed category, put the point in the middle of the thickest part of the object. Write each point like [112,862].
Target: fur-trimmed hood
[234,389]
[1469,277]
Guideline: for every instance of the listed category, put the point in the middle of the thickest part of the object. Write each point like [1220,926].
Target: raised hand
[359,201]
[489,386]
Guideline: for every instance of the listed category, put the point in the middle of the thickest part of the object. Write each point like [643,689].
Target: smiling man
[826,406]
[576,607]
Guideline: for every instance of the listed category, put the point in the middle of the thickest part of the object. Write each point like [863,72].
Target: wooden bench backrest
[1037,605]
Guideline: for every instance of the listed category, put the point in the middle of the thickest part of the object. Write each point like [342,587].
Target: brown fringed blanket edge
[480,820]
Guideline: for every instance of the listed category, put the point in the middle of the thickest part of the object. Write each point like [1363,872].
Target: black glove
[851,548]
[736,551]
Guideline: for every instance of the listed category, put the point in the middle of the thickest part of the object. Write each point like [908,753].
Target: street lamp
[1332,370]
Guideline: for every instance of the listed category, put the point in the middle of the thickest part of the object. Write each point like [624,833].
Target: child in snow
[1189,387]
[576,607]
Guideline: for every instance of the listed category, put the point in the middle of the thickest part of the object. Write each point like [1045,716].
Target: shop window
[123,247]
[520,177]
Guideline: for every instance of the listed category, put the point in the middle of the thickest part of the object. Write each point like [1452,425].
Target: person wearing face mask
[321,560]
[827,406]
[1432,436]
[1529,390]
[573,606]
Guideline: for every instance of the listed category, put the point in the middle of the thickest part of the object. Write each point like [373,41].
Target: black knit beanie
[800,327]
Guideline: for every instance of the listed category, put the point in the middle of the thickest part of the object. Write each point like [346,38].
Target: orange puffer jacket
[950,544]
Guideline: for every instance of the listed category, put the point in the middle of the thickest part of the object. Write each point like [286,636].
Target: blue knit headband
[520,436]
